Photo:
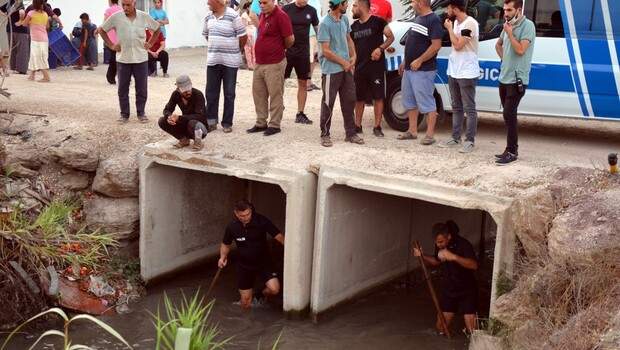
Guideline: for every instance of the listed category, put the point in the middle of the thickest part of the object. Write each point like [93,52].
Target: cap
[184,83]
[336,2]
[457,3]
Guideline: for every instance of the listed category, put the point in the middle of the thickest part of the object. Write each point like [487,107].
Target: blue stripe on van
[393,64]
[600,77]
[551,77]
[573,63]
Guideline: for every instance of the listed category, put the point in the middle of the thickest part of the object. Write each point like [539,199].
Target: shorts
[463,304]
[314,49]
[301,65]
[417,88]
[246,278]
[369,84]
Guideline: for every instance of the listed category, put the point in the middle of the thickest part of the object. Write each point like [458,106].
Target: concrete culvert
[366,226]
[187,201]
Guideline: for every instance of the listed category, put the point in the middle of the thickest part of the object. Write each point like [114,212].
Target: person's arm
[155,27]
[287,31]
[427,55]
[199,113]
[164,21]
[171,105]
[280,238]
[103,31]
[428,260]
[26,20]
[289,41]
[162,46]
[458,43]
[224,251]
[519,46]
[389,39]
[468,263]
[352,54]
[331,56]
[499,47]
[240,31]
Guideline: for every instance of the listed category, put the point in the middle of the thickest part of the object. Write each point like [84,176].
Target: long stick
[217,275]
[442,319]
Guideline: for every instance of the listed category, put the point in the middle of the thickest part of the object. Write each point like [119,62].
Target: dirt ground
[83,103]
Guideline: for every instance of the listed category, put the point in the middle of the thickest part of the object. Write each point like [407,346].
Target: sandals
[181,144]
[407,136]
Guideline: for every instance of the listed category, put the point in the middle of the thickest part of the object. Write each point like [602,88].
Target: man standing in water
[249,231]
[456,259]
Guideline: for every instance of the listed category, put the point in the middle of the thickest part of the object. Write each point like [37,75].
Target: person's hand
[222,262]
[508,28]
[447,24]
[173,119]
[415,65]
[147,45]
[401,69]
[116,47]
[376,54]
[346,66]
[417,252]
[446,255]
[153,53]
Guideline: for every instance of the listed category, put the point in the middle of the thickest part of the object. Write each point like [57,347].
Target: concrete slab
[186,201]
[365,224]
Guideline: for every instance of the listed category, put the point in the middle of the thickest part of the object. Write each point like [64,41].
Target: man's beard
[356,16]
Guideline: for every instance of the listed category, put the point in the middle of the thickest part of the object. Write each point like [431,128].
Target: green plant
[65,334]
[9,171]
[193,314]
[504,284]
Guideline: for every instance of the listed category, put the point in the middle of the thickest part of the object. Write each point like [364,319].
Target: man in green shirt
[515,47]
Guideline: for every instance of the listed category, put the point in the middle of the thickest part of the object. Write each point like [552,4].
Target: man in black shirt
[191,123]
[367,33]
[249,231]
[456,259]
[302,17]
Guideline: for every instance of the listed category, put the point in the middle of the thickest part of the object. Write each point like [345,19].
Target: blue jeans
[139,71]
[218,75]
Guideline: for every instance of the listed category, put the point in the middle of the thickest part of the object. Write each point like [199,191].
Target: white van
[575,71]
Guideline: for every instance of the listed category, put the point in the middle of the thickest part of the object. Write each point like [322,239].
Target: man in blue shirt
[337,60]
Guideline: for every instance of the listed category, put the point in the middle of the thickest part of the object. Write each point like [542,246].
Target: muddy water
[393,317]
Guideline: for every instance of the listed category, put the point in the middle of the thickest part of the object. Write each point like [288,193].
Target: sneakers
[502,155]
[123,120]
[355,139]
[182,143]
[427,140]
[302,118]
[358,130]
[271,131]
[506,159]
[313,87]
[326,141]
[153,75]
[378,132]
[255,129]
[468,147]
[227,129]
[166,75]
[407,136]
[211,128]
[452,143]
[198,145]
[143,119]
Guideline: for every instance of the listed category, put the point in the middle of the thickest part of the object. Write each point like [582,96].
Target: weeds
[192,314]
[65,334]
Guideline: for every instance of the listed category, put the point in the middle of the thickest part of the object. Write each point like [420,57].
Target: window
[490,17]
[143,5]
[547,17]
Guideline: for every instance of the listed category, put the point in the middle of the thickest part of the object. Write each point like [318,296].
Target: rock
[117,177]
[481,340]
[528,336]
[531,216]
[119,216]
[76,154]
[75,299]
[18,170]
[75,180]
[2,154]
[27,155]
[513,309]
[611,339]
[579,237]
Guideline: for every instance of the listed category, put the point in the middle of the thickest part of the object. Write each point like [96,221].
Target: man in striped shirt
[226,36]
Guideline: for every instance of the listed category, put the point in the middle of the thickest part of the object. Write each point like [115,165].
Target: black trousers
[183,129]
[161,58]
[511,97]
[111,74]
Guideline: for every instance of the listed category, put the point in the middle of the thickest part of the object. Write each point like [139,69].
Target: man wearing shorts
[423,41]
[302,17]
[456,259]
[249,231]
[367,33]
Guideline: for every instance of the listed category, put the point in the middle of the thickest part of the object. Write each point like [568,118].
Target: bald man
[132,56]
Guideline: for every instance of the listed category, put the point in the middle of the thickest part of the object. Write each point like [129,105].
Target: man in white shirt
[132,58]
[463,73]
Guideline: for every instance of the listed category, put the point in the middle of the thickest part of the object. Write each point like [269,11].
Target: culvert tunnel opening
[363,249]
[187,212]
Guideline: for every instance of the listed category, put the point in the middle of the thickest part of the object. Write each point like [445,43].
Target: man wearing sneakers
[463,73]
[249,231]
[515,47]
[337,65]
[275,35]
[422,43]
[191,124]
[302,17]
[367,33]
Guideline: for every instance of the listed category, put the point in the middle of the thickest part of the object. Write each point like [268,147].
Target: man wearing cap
[132,52]
[191,124]
[226,36]
[275,35]
[337,64]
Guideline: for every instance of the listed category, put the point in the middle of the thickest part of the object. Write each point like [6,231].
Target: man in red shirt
[275,35]
[381,8]
[157,53]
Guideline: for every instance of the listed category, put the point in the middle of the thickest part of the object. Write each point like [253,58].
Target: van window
[490,17]
[547,16]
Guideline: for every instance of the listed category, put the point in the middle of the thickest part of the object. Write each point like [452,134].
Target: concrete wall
[186,202]
[364,226]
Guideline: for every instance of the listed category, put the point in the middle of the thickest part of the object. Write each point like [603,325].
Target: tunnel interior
[188,211]
[366,244]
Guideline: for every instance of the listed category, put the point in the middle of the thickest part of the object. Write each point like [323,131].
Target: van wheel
[396,115]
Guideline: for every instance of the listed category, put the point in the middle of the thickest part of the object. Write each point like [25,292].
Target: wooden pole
[442,319]
[217,275]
